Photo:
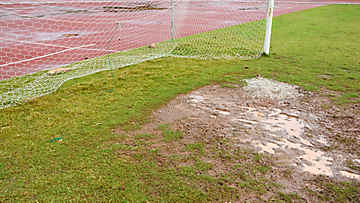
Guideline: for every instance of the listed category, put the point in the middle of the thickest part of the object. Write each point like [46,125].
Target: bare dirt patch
[302,132]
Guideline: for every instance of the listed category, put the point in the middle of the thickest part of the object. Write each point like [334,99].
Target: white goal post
[269,18]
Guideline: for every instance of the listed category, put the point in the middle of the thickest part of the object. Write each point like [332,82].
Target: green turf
[63,146]
[244,40]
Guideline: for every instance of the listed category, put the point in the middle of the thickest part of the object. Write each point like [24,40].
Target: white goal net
[44,43]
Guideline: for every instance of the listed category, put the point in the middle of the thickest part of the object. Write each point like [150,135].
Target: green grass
[243,40]
[93,162]
[328,190]
[170,135]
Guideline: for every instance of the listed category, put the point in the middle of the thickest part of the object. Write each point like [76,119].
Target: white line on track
[44,56]
[54,45]
[81,22]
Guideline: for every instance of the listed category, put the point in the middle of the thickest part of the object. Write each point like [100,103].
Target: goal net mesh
[44,43]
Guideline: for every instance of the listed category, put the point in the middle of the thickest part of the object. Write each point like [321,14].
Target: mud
[274,118]
[301,132]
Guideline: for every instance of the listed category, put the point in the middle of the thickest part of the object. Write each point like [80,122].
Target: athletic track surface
[48,34]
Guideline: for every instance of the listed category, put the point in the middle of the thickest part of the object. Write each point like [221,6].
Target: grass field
[63,146]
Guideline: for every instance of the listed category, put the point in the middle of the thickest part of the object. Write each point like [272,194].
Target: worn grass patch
[331,191]
[93,163]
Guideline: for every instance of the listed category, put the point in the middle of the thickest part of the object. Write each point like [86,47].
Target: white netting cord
[46,43]
[210,29]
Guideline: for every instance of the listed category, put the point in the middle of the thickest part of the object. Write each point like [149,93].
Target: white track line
[80,22]
[54,45]
[47,55]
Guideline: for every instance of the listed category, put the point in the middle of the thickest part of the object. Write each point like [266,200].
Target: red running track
[45,35]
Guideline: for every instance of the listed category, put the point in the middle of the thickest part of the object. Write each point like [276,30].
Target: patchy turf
[67,145]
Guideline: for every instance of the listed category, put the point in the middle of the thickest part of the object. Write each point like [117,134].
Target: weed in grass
[203,166]
[263,169]
[144,136]
[170,135]
[290,197]
[197,147]
[337,191]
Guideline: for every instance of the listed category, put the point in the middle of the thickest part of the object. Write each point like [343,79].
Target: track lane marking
[44,56]
[54,45]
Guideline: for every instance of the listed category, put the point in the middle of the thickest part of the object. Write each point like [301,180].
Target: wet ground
[301,131]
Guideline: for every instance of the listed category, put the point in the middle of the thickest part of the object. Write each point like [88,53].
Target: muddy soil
[301,131]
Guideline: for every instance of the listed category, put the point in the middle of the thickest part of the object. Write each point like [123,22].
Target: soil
[303,132]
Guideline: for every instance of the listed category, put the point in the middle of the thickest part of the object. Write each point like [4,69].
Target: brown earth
[303,134]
